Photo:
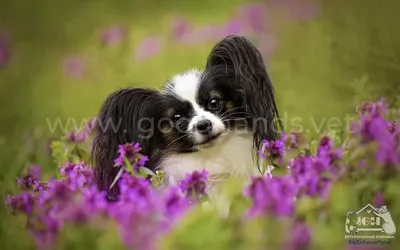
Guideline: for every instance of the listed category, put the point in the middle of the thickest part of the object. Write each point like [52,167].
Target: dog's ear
[236,60]
[126,116]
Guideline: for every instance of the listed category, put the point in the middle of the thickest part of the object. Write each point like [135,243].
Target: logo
[369,225]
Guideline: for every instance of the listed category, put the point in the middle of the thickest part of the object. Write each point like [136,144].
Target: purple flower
[325,145]
[194,185]
[90,125]
[317,187]
[136,189]
[175,203]
[28,180]
[23,203]
[277,148]
[130,151]
[296,140]
[180,28]
[371,108]
[45,229]
[273,149]
[370,128]
[137,212]
[301,168]
[300,237]
[255,15]
[374,128]
[80,178]
[388,152]
[68,168]
[73,66]
[77,137]
[232,27]
[112,35]
[378,199]
[148,48]
[391,126]
[62,192]
[77,214]
[273,196]
[309,175]
[39,186]
[94,199]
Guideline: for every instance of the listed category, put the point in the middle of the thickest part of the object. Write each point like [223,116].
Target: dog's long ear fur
[122,120]
[236,59]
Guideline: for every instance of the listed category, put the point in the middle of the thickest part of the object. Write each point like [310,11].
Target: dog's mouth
[209,141]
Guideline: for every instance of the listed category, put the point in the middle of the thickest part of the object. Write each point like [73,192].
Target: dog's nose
[204,126]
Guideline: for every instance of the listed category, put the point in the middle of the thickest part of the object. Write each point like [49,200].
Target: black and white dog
[213,119]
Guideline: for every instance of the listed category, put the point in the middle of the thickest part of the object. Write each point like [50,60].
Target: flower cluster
[141,212]
[273,149]
[374,129]
[144,213]
[194,186]
[81,136]
[130,152]
[274,196]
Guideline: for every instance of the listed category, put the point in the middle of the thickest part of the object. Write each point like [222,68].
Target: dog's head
[233,94]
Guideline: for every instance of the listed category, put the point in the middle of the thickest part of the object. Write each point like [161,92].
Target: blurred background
[60,59]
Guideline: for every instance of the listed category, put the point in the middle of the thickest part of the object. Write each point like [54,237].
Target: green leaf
[128,165]
[313,146]
[59,152]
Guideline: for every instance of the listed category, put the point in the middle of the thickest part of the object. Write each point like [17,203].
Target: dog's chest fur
[231,155]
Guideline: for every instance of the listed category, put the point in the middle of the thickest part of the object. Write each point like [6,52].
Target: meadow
[60,59]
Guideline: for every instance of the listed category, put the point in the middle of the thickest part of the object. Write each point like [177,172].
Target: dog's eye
[176,118]
[214,104]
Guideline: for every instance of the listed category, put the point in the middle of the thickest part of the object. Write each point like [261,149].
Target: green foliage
[59,152]
[198,229]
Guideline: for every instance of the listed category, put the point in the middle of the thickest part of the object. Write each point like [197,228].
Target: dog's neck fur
[231,156]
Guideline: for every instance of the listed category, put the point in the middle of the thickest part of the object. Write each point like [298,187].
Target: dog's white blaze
[185,85]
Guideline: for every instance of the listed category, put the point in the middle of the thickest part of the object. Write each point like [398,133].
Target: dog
[213,119]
